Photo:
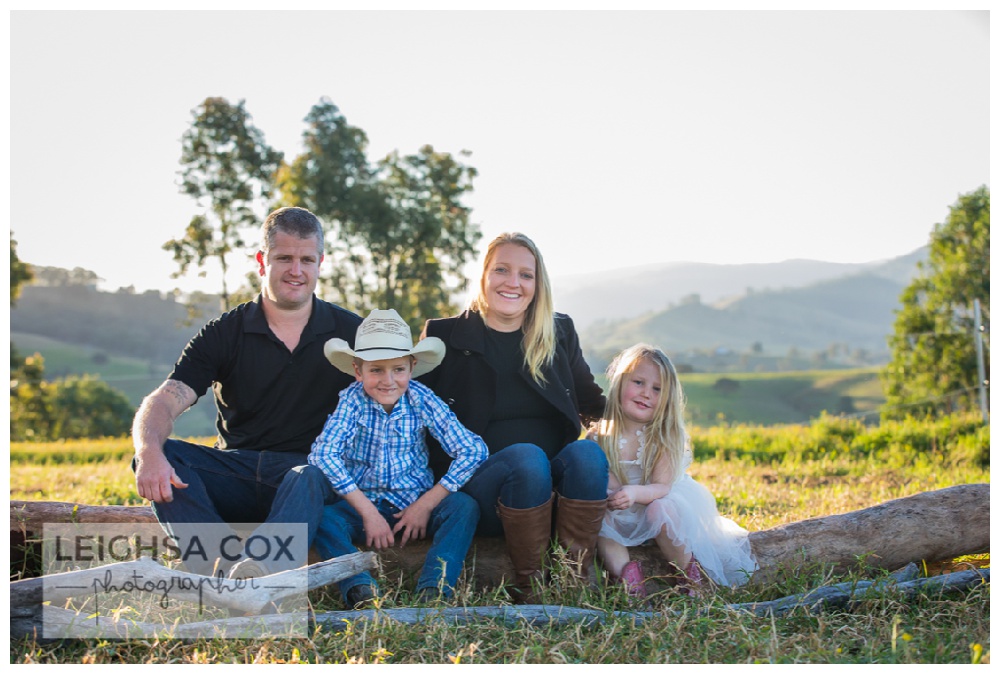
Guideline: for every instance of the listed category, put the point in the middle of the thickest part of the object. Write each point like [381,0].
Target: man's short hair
[291,220]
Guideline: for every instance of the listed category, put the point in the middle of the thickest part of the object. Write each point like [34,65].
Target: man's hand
[155,478]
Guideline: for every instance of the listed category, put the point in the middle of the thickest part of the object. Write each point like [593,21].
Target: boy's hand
[378,534]
[413,522]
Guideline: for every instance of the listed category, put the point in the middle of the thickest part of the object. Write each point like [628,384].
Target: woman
[514,373]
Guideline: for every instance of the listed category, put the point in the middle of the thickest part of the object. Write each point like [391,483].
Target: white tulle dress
[719,544]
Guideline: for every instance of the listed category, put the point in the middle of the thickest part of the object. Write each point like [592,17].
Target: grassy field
[781,397]
[762,477]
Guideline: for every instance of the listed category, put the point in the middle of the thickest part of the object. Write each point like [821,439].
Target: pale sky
[612,139]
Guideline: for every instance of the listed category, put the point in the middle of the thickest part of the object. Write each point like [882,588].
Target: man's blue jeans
[521,476]
[451,526]
[235,486]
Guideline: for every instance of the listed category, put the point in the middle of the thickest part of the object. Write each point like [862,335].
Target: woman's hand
[623,498]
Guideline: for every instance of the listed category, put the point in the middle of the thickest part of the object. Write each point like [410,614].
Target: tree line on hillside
[149,326]
[73,407]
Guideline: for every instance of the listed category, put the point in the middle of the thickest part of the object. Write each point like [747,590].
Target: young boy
[374,452]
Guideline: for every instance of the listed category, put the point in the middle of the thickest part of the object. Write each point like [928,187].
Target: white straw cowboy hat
[384,335]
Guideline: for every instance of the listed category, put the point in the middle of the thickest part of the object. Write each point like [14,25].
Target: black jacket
[467,382]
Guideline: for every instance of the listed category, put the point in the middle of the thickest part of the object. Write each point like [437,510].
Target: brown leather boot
[577,525]
[527,531]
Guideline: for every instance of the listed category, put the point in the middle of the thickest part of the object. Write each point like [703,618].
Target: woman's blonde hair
[539,343]
[665,435]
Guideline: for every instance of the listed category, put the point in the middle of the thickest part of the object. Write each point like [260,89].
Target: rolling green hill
[132,376]
[767,398]
[781,398]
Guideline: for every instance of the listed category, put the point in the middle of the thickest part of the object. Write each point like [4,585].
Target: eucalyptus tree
[400,232]
[229,169]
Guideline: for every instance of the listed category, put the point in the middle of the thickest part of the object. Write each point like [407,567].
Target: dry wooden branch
[846,594]
[146,575]
[59,620]
[842,594]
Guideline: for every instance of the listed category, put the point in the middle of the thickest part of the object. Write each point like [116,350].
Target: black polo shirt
[267,397]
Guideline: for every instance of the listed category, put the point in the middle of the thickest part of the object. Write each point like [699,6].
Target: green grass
[62,359]
[762,478]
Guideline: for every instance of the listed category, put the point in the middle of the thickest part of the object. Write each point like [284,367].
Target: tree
[86,407]
[933,365]
[424,238]
[57,277]
[400,234]
[30,409]
[332,174]
[229,170]
[20,272]
[74,407]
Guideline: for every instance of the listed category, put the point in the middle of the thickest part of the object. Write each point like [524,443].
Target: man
[273,389]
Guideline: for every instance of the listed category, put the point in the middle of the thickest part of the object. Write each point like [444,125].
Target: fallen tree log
[926,527]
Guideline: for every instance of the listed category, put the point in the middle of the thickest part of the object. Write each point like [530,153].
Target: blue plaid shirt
[385,454]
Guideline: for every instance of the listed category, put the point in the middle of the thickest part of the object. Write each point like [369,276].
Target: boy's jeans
[451,525]
[241,486]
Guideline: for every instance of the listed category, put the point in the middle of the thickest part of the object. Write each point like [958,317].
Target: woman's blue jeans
[522,476]
[451,526]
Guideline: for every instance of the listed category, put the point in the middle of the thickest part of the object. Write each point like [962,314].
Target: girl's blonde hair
[539,342]
[665,435]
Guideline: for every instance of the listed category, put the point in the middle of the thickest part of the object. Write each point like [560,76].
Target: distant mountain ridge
[854,310]
[627,293]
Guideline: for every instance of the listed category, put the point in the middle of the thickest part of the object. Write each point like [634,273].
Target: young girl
[650,494]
